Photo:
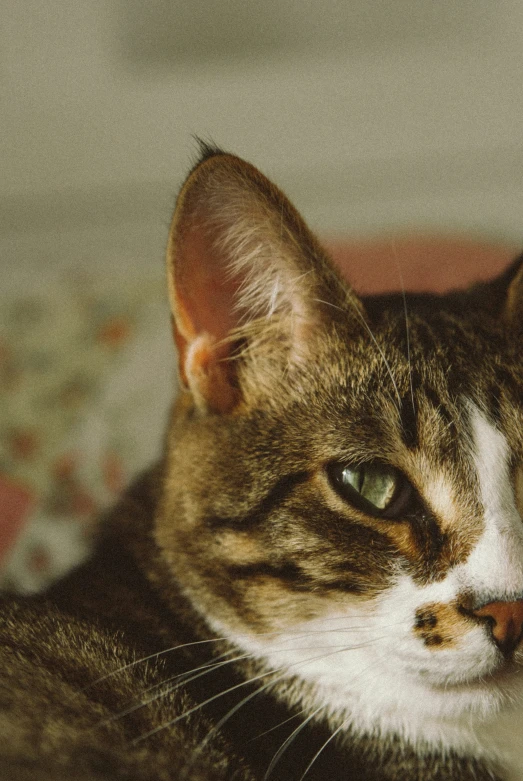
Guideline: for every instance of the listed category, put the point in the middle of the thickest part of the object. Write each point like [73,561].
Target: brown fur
[441,625]
[286,371]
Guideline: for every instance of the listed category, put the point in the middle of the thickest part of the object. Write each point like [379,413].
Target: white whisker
[341,649]
[289,740]
[336,732]
[280,724]
[299,633]
[324,746]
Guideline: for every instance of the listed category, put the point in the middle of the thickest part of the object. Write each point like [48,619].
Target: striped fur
[248,616]
[267,546]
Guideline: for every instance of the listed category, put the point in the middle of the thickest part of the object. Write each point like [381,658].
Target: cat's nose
[506,623]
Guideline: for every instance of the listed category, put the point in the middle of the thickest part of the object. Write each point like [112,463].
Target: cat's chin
[501,675]
[428,708]
[462,716]
[474,694]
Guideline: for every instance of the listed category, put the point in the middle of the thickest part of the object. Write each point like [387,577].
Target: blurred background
[377,119]
[372,115]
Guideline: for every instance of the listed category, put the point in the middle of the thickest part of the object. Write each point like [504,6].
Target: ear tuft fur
[206,150]
[244,271]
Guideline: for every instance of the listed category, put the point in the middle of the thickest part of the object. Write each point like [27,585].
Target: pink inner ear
[204,290]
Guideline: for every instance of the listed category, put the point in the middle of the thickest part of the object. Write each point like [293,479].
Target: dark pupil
[376,484]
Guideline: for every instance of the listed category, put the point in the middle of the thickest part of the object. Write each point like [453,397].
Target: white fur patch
[368,668]
[495,566]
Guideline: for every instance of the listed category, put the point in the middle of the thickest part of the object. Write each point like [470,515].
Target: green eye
[376,489]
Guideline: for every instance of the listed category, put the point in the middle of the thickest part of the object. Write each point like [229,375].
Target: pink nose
[506,623]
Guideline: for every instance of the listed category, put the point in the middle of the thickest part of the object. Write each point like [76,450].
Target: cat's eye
[376,489]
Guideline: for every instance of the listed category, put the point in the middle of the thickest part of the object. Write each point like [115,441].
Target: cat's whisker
[187,677]
[174,648]
[181,679]
[249,697]
[328,303]
[266,686]
[246,635]
[404,619]
[155,655]
[336,732]
[362,319]
[184,715]
[280,724]
[219,724]
[285,668]
[287,742]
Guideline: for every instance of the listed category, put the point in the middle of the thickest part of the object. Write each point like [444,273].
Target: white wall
[403,117]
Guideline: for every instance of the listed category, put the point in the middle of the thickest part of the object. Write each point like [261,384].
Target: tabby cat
[323,577]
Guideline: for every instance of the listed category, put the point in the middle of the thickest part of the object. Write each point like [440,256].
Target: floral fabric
[86,375]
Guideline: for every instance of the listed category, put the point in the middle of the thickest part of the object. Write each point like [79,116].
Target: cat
[322,578]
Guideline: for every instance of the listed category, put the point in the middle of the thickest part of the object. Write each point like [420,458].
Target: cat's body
[324,576]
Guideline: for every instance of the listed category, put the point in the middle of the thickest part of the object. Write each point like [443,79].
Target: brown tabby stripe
[426,338]
[409,427]
[260,512]
[494,396]
[434,546]
[293,576]
[436,402]
[506,381]
[288,572]
[443,411]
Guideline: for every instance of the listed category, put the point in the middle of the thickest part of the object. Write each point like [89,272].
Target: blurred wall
[373,116]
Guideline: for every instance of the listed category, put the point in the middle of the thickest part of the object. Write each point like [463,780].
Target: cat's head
[344,493]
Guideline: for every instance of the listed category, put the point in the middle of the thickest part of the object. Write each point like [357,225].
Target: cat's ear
[243,269]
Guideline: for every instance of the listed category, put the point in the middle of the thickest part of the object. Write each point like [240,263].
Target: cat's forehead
[404,388]
[441,349]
